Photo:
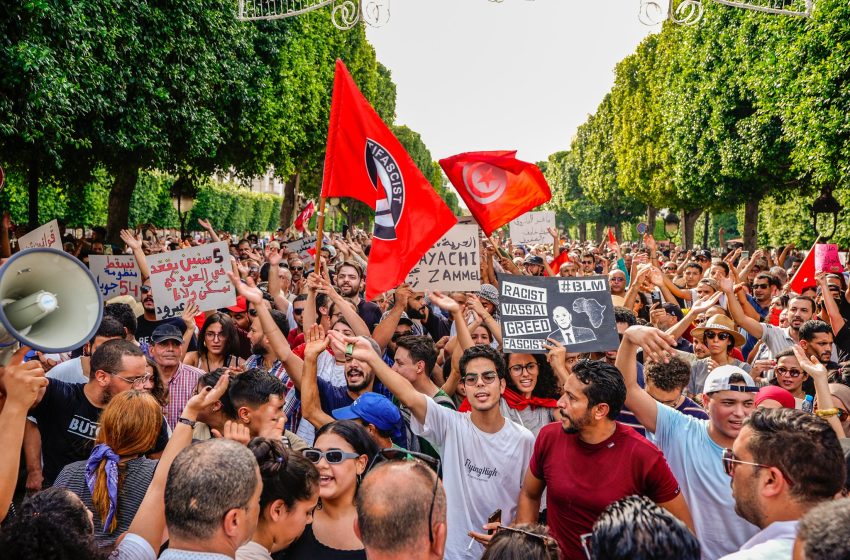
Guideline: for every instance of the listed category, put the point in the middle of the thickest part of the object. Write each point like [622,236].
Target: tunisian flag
[496,186]
[304,216]
[805,275]
[365,161]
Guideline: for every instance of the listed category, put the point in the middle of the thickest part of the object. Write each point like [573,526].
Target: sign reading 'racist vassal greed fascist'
[576,312]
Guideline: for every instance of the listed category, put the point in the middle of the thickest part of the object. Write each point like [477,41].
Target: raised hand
[811,366]
[649,241]
[403,294]
[205,224]
[24,380]
[206,397]
[315,341]
[249,291]
[703,304]
[190,311]
[133,242]
[656,276]
[355,346]
[556,352]
[657,345]
[235,431]
[444,302]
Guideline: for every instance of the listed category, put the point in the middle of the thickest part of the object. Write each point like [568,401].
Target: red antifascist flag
[304,216]
[365,161]
[496,186]
[805,275]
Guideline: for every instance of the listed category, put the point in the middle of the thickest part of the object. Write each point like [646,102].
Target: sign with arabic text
[116,275]
[195,274]
[576,312]
[302,246]
[43,236]
[452,264]
[532,228]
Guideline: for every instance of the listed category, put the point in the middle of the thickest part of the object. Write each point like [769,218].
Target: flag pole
[320,226]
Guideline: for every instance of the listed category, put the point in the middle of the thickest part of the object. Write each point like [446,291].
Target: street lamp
[183,199]
[671,225]
[822,207]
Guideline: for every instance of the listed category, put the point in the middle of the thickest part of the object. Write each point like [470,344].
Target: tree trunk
[751,224]
[651,213]
[287,206]
[582,232]
[32,189]
[119,202]
[600,229]
[705,228]
[688,239]
[618,232]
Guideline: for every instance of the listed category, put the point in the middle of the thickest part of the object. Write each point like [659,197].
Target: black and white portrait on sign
[575,312]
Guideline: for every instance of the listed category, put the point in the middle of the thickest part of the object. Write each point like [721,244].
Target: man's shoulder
[192,370]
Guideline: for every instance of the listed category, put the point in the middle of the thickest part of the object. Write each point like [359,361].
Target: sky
[518,74]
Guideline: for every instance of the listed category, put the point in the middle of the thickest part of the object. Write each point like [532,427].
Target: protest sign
[532,228]
[576,312]
[826,258]
[452,264]
[303,247]
[195,274]
[116,275]
[43,236]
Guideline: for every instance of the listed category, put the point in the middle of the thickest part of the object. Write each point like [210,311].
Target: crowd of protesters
[304,422]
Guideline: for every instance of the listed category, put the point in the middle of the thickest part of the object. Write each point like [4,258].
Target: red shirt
[583,479]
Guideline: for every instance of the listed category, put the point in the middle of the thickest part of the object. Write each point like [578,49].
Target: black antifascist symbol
[388,181]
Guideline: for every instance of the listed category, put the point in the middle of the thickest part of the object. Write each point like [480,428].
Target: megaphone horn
[49,301]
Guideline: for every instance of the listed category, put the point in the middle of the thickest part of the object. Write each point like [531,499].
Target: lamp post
[671,225]
[183,199]
[824,206]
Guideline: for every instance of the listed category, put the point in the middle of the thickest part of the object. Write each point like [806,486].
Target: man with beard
[68,413]
[147,322]
[484,455]
[590,461]
[348,280]
[776,478]
[181,379]
[817,341]
[691,446]
[298,306]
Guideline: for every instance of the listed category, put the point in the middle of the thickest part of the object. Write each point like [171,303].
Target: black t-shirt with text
[145,329]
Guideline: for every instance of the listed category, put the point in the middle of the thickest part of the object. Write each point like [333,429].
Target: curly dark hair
[603,383]
[52,524]
[676,374]
[547,384]
[486,352]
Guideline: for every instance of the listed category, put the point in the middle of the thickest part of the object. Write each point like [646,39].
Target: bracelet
[827,412]
[191,423]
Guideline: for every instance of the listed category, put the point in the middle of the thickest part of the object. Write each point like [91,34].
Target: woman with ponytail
[114,479]
[290,494]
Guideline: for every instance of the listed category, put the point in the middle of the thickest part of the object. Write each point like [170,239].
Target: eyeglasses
[711,335]
[392,454]
[472,379]
[530,367]
[296,268]
[145,289]
[134,381]
[282,265]
[398,335]
[670,268]
[332,456]
[296,311]
[729,462]
[703,259]
[761,286]
[214,335]
[790,372]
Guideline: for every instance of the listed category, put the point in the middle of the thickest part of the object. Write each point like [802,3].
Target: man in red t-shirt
[591,461]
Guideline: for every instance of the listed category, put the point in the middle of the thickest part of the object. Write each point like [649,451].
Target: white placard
[196,274]
[116,275]
[532,228]
[452,264]
[43,236]
[301,246]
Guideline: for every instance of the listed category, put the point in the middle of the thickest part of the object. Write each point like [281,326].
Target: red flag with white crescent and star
[805,275]
[304,216]
[364,160]
[496,186]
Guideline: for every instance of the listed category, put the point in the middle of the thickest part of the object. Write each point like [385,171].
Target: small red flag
[496,186]
[365,161]
[304,216]
[805,275]
[611,238]
[556,263]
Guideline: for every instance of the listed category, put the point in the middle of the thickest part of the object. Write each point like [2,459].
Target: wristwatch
[190,423]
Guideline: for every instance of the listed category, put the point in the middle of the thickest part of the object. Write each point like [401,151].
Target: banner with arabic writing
[116,275]
[303,247]
[42,236]
[197,274]
[532,228]
[452,264]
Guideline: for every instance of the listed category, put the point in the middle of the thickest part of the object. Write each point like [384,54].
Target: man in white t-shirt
[694,448]
[484,455]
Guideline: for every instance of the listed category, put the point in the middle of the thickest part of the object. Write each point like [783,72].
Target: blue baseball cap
[373,408]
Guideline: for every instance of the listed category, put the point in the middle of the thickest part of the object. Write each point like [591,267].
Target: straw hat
[720,323]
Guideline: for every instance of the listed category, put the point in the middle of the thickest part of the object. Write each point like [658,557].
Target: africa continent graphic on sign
[484,182]
[389,184]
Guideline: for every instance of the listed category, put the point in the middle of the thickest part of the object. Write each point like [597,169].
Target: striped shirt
[181,387]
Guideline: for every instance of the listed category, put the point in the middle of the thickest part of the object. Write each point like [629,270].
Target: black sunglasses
[711,335]
[145,289]
[392,454]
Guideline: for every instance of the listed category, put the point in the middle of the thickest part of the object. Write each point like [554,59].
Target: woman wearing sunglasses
[720,336]
[289,499]
[218,345]
[341,452]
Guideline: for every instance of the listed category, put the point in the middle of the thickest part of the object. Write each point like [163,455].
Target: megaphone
[49,301]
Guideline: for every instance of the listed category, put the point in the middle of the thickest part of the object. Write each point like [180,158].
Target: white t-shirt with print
[481,472]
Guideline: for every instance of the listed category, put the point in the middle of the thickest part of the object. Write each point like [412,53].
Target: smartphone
[656,297]
[495,517]
[345,231]
[745,254]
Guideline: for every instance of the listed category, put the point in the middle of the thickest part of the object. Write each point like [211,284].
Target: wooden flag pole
[320,226]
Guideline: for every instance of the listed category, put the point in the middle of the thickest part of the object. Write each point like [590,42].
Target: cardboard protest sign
[197,274]
[826,258]
[303,246]
[577,312]
[116,275]
[532,228]
[43,236]
[452,264]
